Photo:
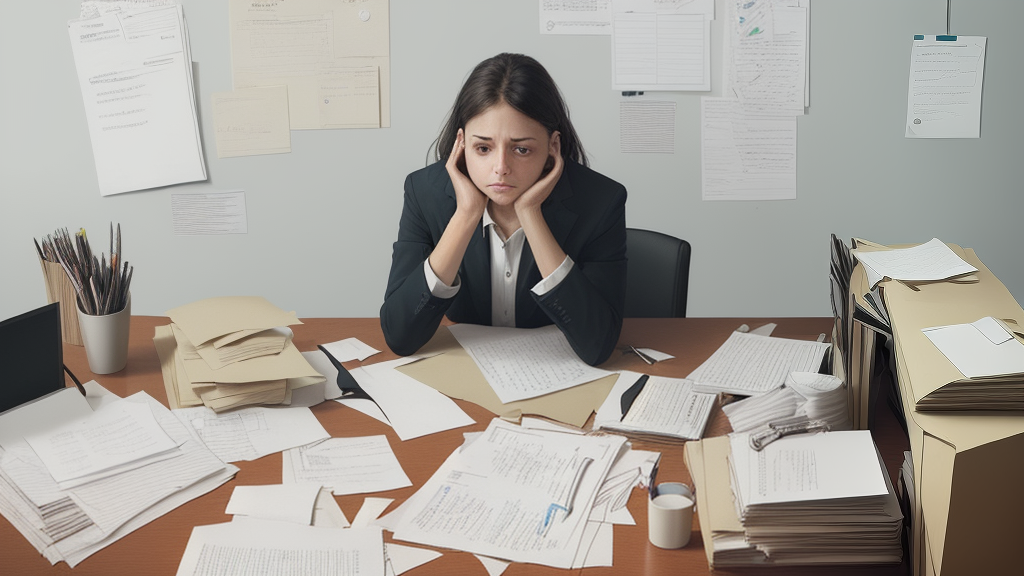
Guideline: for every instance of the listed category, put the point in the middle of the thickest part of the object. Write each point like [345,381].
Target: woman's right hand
[469,199]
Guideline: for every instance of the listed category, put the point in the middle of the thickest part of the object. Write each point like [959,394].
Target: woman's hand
[536,195]
[470,201]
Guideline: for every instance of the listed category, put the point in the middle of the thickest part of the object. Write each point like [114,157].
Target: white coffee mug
[670,515]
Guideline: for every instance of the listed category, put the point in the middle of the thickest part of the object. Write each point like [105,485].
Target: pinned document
[944,97]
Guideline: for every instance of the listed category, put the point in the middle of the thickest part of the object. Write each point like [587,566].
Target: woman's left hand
[536,195]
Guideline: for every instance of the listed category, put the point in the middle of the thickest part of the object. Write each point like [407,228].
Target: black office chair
[657,274]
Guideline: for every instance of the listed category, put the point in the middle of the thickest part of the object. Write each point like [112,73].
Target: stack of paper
[990,357]
[751,364]
[816,499]
[517,494]
[73,481]
[657,406]
[231,352]
[822,499]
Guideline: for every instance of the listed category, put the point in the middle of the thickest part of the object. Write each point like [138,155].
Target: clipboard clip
[774,432]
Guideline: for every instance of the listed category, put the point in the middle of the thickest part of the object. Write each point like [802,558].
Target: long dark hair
[522,83]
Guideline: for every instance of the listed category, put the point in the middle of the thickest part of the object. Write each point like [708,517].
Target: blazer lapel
[475,271]
[560,220]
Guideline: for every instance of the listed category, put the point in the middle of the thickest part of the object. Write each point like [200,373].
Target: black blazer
[587,215]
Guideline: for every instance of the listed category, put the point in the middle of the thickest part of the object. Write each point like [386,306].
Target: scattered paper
[370,511]
[346,465]
[282,502]
[350,349]
[251,433]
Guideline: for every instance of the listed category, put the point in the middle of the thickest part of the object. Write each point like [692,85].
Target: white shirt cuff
[548,284]
[437,288]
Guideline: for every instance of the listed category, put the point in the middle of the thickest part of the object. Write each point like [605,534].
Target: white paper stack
[231,352]
[825,398]
[817,499]
[139,464]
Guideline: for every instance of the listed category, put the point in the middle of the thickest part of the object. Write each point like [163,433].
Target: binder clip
[774,432]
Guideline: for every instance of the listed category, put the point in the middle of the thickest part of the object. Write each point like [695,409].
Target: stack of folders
[959,328]
[74,480]
[862,329]
[231,352]
[806,499]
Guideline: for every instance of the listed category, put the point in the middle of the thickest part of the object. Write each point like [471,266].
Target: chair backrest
[657,274]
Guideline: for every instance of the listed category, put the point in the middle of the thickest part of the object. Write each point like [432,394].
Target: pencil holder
[106,339]
[59,289]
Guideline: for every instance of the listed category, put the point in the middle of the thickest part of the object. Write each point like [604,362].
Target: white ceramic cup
[670,515]
[106,339]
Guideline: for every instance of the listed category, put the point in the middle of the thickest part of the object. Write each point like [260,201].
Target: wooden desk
[156,548]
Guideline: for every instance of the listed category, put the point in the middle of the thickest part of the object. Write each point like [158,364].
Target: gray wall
[322,219]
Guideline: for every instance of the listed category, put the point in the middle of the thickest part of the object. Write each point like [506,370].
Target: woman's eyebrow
[488,138]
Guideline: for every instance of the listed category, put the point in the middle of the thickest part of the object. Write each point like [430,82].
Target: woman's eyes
[520,150]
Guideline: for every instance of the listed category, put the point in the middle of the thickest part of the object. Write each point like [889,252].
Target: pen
[576,486]
[643,356]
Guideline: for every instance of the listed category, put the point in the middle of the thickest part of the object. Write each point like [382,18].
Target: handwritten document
[135,73]
[251,433]
[749,364]
[930,261]
[746,156]
[522,363]
[119,434]
[521,495]
[944,97]
[666,406]
[767,41]
[346,465]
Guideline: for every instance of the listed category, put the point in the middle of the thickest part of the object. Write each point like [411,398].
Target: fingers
[457,150]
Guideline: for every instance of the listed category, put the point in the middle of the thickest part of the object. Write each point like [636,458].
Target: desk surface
[156,548]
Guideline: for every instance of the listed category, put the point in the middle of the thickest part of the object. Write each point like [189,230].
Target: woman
[513,229]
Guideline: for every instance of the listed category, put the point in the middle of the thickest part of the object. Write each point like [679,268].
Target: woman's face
[506,152]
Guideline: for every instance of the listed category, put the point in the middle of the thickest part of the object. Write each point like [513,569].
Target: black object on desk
[629,396]
[31,356]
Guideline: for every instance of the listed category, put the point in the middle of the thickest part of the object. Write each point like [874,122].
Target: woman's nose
[501,164]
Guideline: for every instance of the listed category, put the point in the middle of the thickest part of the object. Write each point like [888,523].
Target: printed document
[944,97]
[267,547]
[346,465]
[521,363]
[135,73]
[575,16]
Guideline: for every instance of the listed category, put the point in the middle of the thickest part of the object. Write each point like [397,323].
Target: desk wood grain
[156,548]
